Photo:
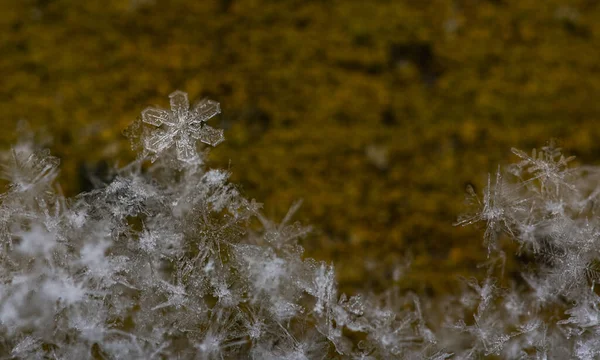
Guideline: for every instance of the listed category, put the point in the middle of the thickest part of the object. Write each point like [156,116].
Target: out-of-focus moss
[376,113]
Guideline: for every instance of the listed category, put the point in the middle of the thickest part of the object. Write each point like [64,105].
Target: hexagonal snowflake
[181,127]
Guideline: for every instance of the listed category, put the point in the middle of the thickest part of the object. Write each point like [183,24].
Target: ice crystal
[181,127]
[171,261]
[28,170]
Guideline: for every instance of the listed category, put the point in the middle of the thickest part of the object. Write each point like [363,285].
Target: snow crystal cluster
[168,260]
[551,309]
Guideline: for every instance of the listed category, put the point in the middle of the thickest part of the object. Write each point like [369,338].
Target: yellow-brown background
[376,113]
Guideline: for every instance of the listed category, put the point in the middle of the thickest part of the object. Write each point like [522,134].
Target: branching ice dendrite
[28,169]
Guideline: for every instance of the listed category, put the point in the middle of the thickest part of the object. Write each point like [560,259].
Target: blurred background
[376,113]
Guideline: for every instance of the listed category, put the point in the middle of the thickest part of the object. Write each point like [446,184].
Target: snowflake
[181,126]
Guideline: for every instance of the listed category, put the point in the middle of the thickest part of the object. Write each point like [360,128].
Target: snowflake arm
[156,117]
[180,106]
[158,141]
[185,149]
[202,112]
[205,110]
[209,135]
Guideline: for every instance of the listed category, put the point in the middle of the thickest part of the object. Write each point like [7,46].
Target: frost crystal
[181,127]
[171,261]
[29,170]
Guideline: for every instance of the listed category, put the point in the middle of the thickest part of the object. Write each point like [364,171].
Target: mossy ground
[376,113]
